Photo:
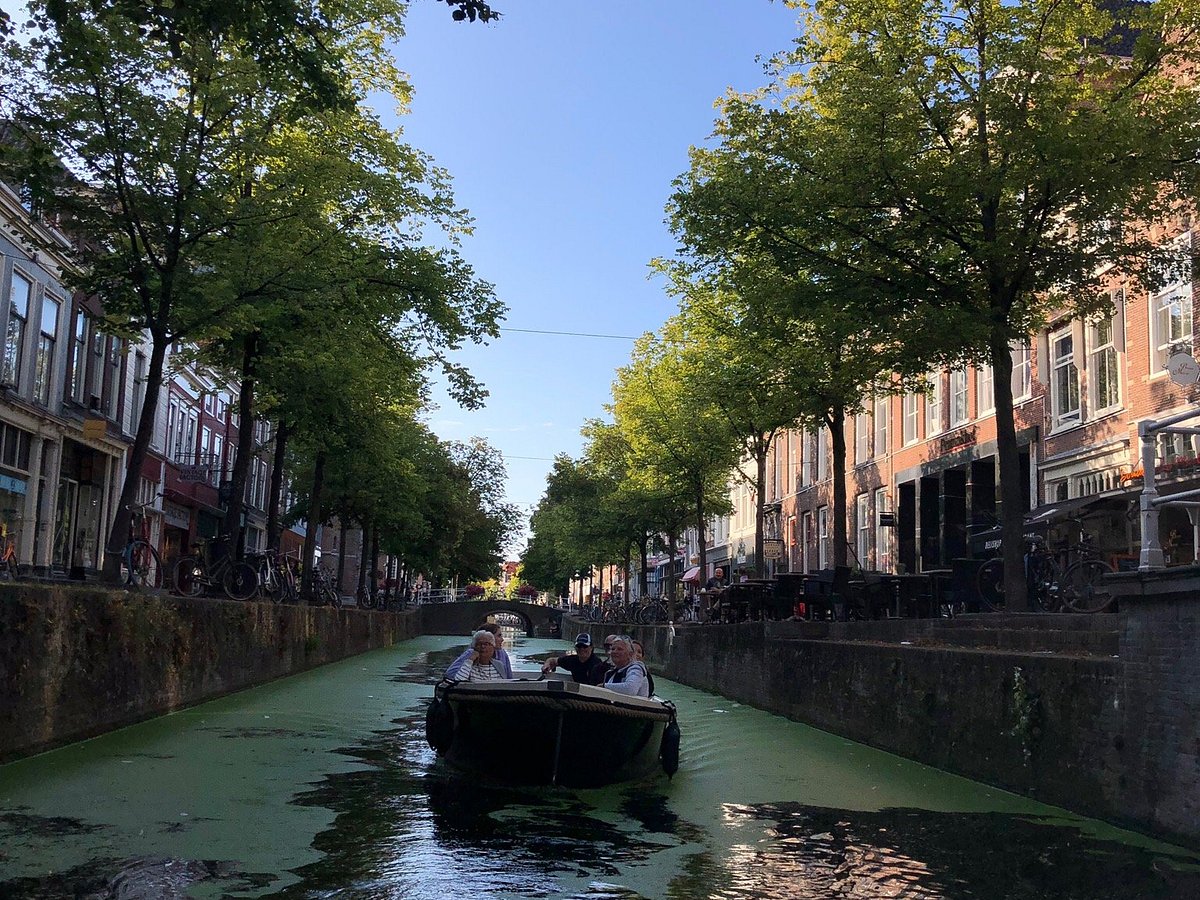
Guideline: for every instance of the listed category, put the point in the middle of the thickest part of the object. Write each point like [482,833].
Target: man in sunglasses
[584,665]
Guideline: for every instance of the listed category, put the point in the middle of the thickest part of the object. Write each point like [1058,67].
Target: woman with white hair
[628,676]
[480,664]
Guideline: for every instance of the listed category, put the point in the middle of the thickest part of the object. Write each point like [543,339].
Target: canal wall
[78,661]
[1098,714]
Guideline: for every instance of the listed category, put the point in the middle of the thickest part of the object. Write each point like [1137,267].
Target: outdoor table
[908,588]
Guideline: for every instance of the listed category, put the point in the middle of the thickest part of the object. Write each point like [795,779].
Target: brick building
[922,468]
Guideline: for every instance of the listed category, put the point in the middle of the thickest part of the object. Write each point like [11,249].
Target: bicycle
[276,579]
[140,565]
[195,575]
[1078,588]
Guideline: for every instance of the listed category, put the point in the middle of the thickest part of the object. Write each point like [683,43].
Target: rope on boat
[566,703]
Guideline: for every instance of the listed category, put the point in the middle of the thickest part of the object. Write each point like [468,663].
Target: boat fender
[439,725]
[669,751]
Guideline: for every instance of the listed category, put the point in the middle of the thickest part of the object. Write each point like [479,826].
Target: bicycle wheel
[990,582]
[1084,589]
[1045,584]
[140,566]
[189,577]
[240,581]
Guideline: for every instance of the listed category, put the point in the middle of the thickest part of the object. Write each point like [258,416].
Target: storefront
[82,508]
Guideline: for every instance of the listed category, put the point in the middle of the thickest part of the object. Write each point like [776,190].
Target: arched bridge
[460,618]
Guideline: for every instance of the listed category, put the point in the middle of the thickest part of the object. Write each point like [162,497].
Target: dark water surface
[321,786]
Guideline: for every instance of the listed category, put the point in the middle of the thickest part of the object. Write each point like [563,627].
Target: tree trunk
[761,447]
[344,522]
[364,549]
[644,576]
[627,561]
[374,560]
[701,531]
[118,534]
[837,428]
[274,529]
[673,538]
[1012,520]
[245,445]
[310,533]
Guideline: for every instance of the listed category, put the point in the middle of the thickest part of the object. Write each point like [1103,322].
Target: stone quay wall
[1098,714]
[79,661]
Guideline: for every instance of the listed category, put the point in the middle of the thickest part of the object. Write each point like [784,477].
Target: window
[909,413]
[172,448]
[1064,385]
[862,518]
[189,437]
[139,391]
[822,455]
[1022,371]
[1171,319]
[985,393]
[823,537]
[883,534]
[959,412]
[18,315]
[933,405]
[112,406]
[14,448]
[1172,446]
[808,465]
[883,414]
[79,358]
[806,541]
[218,464]
[862,438]
[97,369]
[43,368]
[1104,379]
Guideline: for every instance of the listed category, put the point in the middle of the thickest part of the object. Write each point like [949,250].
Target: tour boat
[551,731]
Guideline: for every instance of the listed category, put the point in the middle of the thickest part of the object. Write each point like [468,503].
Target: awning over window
[1052,512]
[692,574]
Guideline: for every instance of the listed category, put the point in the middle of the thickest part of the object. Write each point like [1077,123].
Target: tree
[982,160]
[678,440]
[143,132]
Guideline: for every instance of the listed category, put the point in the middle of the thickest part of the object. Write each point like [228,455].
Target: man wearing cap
[584,665]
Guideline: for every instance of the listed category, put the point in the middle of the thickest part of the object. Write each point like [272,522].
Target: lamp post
[579,581]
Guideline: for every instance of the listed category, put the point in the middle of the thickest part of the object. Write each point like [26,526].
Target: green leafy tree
[983,160]
[678,440]
[143,132]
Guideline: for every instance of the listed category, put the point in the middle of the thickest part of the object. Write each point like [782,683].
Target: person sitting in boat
[480,664]
[502,659]
[628,676]
[639,655]
[584,665]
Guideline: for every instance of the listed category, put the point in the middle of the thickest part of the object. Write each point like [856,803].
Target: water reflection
[359,807]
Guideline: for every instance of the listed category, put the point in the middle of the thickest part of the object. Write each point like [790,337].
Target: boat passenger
[628,676]
[502,658]
[481,664]
[584,665]
[639,655]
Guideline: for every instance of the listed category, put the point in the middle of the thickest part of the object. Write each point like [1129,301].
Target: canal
[321,785]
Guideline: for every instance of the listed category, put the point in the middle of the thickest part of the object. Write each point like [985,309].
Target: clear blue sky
[563,126]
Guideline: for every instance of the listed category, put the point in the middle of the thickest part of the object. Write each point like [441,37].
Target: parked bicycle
[276,577]
[140,565]
[324,587]
[200,574]
[1079,587]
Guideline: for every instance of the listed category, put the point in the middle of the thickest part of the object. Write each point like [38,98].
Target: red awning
[692,574]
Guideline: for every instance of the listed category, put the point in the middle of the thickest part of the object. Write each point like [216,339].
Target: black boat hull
[552,732]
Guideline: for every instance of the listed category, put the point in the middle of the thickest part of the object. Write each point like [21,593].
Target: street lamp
[579,581]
